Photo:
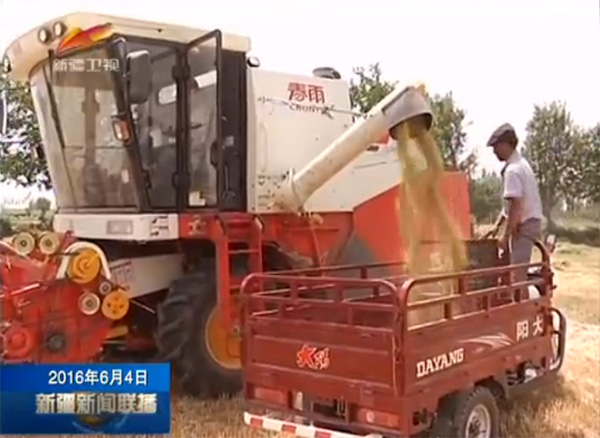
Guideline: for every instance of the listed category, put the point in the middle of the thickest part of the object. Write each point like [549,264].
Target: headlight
[44,35]
[121,227]
[59,28]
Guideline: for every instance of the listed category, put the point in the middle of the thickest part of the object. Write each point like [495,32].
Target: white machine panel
[144,275]
[291,119]
[127,227]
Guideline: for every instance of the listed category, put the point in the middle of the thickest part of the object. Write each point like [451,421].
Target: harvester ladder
[238,231]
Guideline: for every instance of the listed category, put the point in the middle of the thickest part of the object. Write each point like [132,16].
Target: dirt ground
[569,408]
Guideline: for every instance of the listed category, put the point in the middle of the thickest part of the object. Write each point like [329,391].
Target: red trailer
[332,353]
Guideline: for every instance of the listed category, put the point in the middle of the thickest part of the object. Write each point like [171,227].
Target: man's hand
[496,227]
[503,246]
[490,233]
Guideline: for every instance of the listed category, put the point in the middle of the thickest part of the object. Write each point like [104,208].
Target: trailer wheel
[204,361]
[472,414]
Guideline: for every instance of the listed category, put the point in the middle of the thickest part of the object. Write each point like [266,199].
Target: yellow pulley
[85,266]
[115,305]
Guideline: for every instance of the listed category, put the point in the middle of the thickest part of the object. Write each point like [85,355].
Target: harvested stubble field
[568,408]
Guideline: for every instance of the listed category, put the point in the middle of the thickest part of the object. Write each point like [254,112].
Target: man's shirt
[519,182]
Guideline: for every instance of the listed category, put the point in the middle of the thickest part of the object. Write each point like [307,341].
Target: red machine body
[332,352]
[44,314]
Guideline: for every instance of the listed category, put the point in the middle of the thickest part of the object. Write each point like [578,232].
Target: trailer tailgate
[332,348]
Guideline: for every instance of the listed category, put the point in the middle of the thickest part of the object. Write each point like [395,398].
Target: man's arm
[496,227]
[513,219]
[500,221]
[513,192]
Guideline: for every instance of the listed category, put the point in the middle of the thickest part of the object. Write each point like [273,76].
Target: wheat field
[568,408]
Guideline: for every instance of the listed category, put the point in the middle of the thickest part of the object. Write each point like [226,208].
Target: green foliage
[42,204]
[564,157]
[591,171]
[21,159]
[486,197]
[6,227]
[449,133]
[589,235]
[550,148]
[46,221]
[40,211]
[370,88]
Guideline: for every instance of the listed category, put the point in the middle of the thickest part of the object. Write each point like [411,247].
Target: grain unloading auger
[402,105]
[170,152]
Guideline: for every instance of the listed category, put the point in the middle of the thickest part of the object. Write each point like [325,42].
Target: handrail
[399,286]
[256,277]
[338,268]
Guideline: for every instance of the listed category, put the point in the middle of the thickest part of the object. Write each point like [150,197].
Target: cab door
[203,157]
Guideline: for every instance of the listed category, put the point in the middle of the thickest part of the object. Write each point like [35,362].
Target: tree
[591,172]
[42,204]
[486,201]
[370,88]
[6,228]
[45,215]
[21,159]
[448,129]
[573,187]
[450,134]
[550,148]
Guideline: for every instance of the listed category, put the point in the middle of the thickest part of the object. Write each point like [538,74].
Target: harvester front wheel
[204,358]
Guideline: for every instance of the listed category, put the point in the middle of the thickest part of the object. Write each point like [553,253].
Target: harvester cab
[185,165]
[127,110]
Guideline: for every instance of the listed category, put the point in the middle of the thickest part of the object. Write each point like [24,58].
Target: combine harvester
[179,168]
[171,155]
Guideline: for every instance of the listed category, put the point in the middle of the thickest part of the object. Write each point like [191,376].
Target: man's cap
[500,132]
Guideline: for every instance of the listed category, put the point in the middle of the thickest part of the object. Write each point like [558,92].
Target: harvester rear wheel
[203,358]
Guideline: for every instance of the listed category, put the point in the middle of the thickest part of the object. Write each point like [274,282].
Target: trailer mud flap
[272,424]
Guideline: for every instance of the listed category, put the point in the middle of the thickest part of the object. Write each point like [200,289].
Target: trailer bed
[344,350]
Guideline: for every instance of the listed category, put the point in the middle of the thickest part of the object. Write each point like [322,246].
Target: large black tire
[454,415]
[180,339]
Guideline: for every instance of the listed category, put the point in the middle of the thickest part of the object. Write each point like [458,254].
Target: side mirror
[3,113]
[139,75]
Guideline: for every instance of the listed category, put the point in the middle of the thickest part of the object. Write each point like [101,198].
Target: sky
[498,57]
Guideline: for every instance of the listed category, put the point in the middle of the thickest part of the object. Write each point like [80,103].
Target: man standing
[522,213]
